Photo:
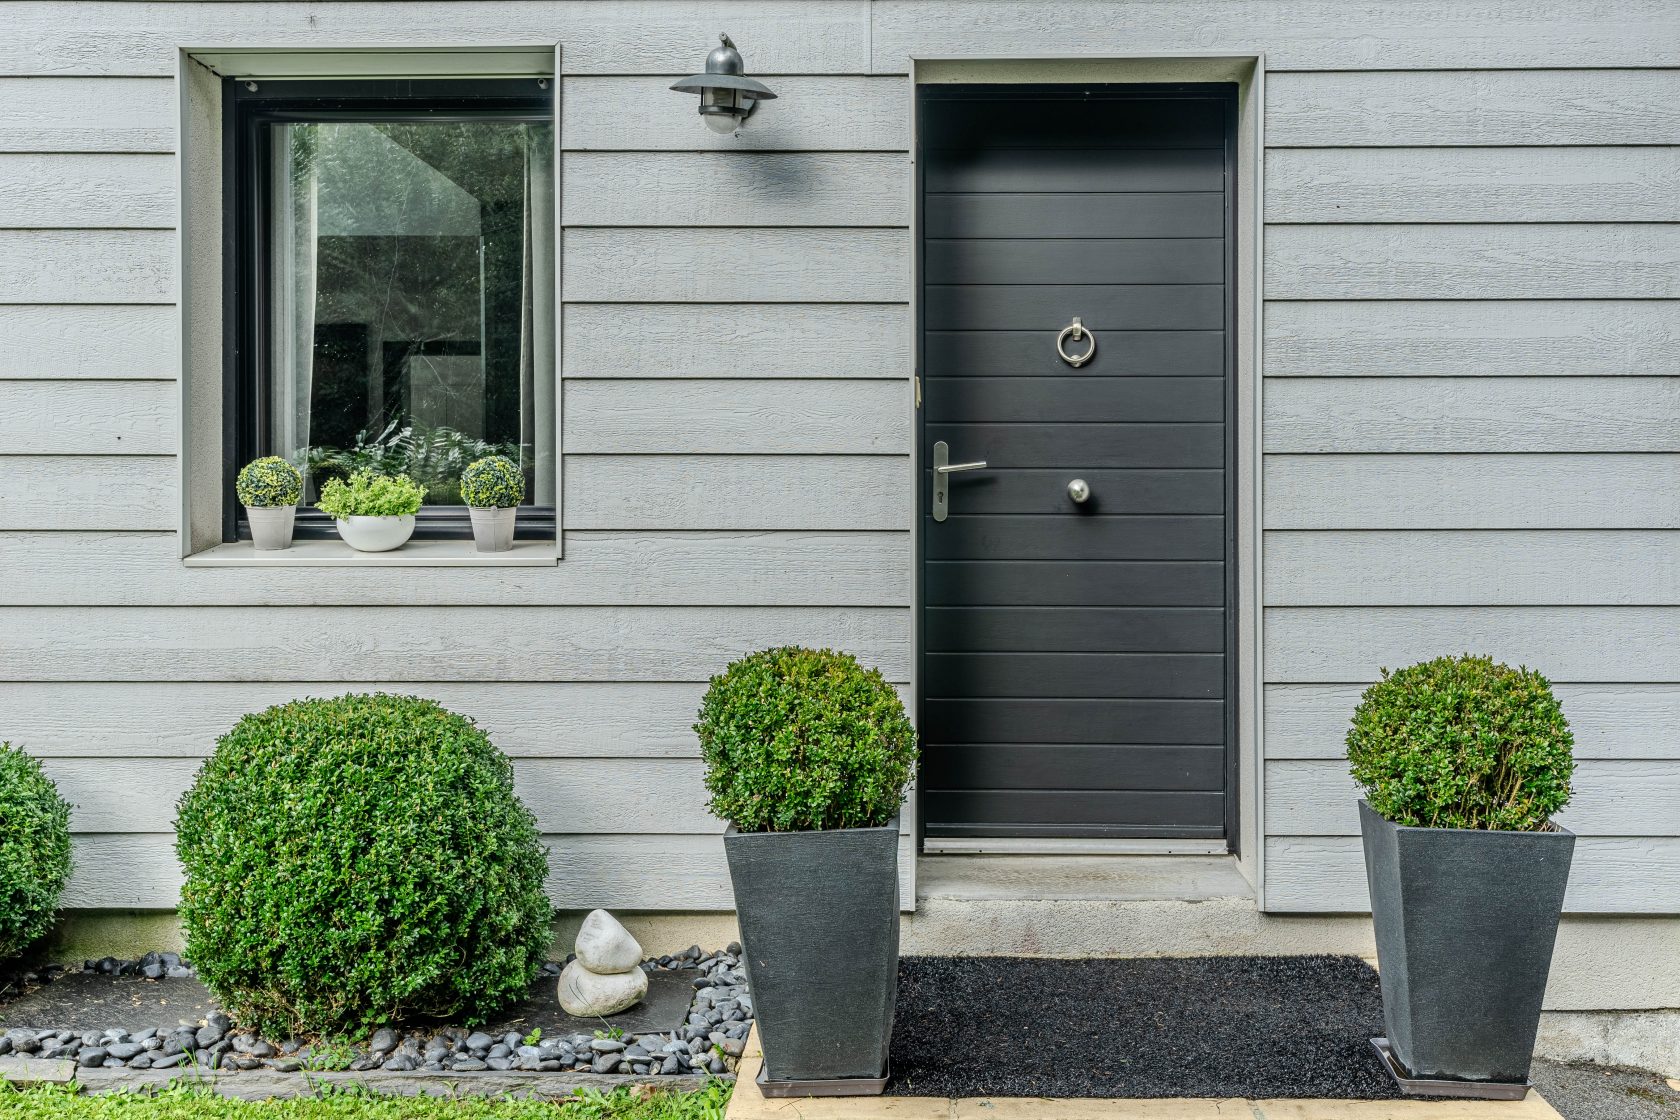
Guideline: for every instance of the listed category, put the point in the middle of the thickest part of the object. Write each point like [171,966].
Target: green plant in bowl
[369,494]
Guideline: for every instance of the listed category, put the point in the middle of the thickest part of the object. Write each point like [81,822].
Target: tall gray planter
[1465,923]
[819,930]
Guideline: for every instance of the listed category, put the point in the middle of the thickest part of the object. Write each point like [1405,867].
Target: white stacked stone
[607,975]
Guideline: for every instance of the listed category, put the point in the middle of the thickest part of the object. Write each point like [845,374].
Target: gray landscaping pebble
[719,1020]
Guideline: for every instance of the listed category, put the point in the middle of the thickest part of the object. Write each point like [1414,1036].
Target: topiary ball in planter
[357,860]
[1462,742]
[492,487]
[798,739]
[269,489]
[34,850]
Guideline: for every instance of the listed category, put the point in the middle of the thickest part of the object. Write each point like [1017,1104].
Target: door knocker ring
[1078,332]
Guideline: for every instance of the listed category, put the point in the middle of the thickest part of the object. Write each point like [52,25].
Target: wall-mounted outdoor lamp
[727,95]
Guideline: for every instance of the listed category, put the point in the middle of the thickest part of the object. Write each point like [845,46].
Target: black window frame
[247,106]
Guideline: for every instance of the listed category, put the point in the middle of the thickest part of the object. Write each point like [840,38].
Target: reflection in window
[411,296]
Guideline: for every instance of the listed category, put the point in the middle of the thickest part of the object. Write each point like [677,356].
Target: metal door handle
[943,469]
[1079,490]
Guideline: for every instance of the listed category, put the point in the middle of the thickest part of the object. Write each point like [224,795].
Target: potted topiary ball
[1463,762]
[269,489]
[493,487]
[374,512]
[808,755]
[354,861]
[34,850]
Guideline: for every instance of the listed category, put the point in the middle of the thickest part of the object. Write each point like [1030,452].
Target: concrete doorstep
[750,1104]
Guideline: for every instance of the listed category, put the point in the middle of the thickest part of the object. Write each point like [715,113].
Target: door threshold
[1069,846]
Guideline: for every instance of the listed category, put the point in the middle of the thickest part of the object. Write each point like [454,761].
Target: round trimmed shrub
[357,860]
[34,850]
[798,739]
[268,482]
[1462,742]
[493,482]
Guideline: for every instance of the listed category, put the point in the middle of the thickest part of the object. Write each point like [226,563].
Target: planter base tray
[1445,1087]
[833,1087]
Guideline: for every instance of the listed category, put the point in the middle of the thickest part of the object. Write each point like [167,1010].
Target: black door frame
[1228,93]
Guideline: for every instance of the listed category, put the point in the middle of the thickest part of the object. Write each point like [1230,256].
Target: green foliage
[355,860]
[797,739]
[494,482]
[435,457]
[1462,742]
[269,481]
[371,495]
[34,850]
[185,1101]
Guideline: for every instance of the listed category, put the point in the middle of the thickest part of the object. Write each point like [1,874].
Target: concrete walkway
[749,1104]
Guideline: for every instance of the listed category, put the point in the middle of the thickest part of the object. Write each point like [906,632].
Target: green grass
[51,1103]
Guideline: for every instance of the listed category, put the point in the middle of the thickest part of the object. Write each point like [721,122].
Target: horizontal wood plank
[850,341]
[1317,35]
[81,190]
[1610,721]
[1516,567]
[630,568]
[165,719]
[640,416]
[52,492]
[77,115]
[1562,491]
[1474,106]
[625,871]
[820,113]
[59,341]
[582,795]
[734,189]
[1602,644]
[1610,875]
[737,492]
[88,417]
[1464,338]
[1475,414]
[1073,629]
[731,266]
[1104,722]
[87,266]
[1012,490]
[1621,798]
[1097,583]
[400,643]
[1473,184]
[1473,262]
[819,36]
[962,536]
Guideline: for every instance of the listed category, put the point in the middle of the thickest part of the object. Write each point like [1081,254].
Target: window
[390,271]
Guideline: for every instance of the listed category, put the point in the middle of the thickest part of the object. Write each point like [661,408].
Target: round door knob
[1079,490]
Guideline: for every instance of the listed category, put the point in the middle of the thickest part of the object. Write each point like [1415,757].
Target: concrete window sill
[414,554]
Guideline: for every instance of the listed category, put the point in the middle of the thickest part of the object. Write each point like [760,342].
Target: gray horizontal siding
[1470,350]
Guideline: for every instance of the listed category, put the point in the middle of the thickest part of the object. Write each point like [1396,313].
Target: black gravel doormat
[1257,1027]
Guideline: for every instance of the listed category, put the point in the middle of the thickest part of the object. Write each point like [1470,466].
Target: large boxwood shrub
[798,739]
[1462,742]
[356,860]
[34,850]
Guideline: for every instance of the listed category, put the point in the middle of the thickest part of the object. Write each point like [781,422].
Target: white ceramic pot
[271,526]
[493,528]
[376,534]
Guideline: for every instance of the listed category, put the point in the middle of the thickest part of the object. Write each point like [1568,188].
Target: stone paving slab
[259,1085]
[93,1001]
[748,1103]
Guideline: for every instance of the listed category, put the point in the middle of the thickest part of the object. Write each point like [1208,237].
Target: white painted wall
[1471,406]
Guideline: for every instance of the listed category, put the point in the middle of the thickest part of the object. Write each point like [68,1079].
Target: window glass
[410,299]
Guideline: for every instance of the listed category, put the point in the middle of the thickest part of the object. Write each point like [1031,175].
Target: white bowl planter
[271,526]
[492,528]
[376,534]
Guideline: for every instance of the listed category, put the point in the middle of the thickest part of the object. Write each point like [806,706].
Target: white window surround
[200,71]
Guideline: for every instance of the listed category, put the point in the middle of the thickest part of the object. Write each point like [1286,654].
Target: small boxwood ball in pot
[493,482]
[34,850]
[1462,742]
[798,740]
[267,483]
[357,860]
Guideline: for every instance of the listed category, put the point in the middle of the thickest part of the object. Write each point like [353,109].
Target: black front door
[1076,668]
